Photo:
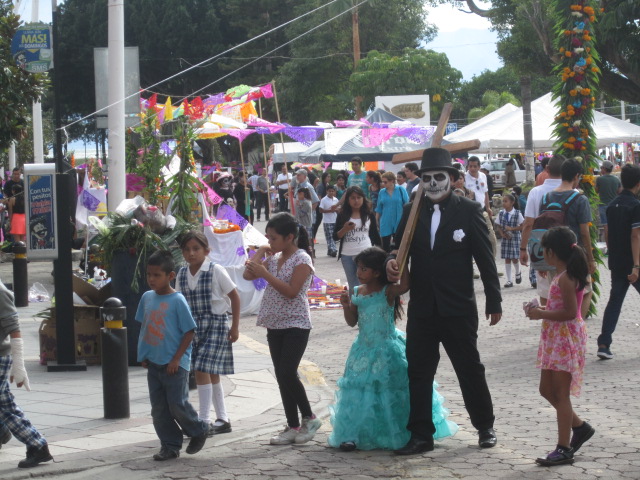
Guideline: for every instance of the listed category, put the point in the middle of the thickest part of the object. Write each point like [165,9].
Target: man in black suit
[450,233]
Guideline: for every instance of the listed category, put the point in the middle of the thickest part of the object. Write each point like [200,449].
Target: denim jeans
[602,210]
[170,407]
[350,269]
[619,287]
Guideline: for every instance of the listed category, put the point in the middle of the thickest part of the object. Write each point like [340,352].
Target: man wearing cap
[486,169]
[608,187]
[450,233]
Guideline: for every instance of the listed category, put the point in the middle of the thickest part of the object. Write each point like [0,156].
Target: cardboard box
[89,293]
[87,335]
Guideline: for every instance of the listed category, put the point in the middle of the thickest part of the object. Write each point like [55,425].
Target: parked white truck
[497,172]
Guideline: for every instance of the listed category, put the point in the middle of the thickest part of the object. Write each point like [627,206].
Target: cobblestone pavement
[525,424]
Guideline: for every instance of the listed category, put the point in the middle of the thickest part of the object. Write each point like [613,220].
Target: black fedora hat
[437,159]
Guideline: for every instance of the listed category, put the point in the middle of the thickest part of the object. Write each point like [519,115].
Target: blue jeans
[350,269]
[602,210]
[170,407]
[619,287]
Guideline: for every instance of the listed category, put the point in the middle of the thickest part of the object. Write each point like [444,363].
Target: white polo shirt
[478,186]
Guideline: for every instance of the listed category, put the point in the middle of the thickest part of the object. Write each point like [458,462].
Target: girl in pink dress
[563,340]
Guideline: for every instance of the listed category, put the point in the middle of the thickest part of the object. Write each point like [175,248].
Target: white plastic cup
[322,304]
[338,281]
[323,289]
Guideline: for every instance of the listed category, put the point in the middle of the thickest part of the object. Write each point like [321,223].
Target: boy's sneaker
[35,456]
[166,454]
[308,429]
[5,435]
[580,435]
[560,456]
[285,437]
[604,353]
[196,443]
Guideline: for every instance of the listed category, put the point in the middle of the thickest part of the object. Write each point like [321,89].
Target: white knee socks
[218,402]
[507,267]
[204,395]
[516,265]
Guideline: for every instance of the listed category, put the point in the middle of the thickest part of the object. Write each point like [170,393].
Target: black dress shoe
[487,438]
[415,446]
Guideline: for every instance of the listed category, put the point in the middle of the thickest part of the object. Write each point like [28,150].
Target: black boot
[35,456]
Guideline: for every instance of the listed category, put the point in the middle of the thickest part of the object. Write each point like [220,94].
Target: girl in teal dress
[372,404]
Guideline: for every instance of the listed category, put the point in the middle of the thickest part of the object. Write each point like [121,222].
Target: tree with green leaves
[491,101]
[415,71]
[505,79]
[18,88]
[172,35]
[315,84]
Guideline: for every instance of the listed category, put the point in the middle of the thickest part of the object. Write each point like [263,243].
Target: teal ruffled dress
[372,403]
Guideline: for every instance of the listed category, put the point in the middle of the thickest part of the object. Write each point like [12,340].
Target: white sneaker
[286,437]
[308,429]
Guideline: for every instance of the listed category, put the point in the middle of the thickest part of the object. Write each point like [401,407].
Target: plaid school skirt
[211,348]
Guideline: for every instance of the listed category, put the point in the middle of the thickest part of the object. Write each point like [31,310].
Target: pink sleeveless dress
[563,343]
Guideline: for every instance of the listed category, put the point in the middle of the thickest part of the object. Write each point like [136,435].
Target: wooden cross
[436,141]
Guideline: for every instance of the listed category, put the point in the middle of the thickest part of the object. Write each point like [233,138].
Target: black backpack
[552,214]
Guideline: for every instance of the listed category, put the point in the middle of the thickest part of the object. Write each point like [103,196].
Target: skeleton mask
[436,184]
[225,183]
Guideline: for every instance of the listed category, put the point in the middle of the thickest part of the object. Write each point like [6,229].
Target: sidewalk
[67,408]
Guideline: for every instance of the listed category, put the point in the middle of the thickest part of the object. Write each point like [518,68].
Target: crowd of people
[387,397]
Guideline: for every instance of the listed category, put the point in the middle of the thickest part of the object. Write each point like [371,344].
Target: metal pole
[12,156]
[20,275]
[117,188]
[115,370]
[38,148]
[284,154]
[65,333]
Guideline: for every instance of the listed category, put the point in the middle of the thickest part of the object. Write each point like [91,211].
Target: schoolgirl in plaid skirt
[509,223]
[210,293]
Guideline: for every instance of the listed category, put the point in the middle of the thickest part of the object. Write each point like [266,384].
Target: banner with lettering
[40,209]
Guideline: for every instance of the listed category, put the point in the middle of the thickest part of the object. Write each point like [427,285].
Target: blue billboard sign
[31,48]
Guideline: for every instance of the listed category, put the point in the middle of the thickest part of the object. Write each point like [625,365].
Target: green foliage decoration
[136,239]
[183,186]
[18,88]
[151,159]
[575,97]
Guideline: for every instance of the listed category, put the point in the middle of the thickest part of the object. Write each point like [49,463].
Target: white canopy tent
[504,133]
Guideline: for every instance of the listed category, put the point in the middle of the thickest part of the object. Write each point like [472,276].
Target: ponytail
[563,242]
[303,240]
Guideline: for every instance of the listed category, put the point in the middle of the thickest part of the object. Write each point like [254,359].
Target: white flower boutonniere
[458,235]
